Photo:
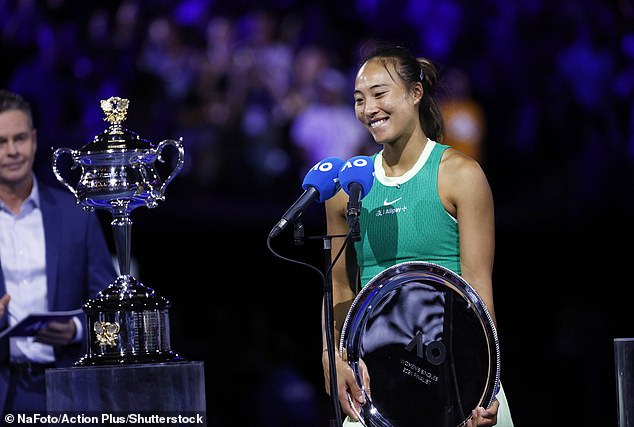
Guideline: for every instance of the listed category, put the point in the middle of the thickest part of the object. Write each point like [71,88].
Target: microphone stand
[353,224]
[298,237]
[329,325]
[298,232]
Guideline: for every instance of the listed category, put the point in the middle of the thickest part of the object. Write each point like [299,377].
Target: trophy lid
[116,137]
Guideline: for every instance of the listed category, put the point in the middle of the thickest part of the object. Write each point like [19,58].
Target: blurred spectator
[464,116]
[308,63]
[261,73]
[208,110]
[167,53]
[328,126]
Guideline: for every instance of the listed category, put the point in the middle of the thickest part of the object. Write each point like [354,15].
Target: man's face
[18,142]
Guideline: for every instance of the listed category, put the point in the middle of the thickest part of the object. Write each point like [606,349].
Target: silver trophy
[127,321]
[428,345]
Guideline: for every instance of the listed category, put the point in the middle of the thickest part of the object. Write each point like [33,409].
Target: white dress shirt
[23,259]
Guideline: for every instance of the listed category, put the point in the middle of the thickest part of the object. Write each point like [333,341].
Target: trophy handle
[179,163]
[59,177]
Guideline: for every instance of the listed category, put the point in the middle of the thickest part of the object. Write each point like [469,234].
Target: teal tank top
[402,219]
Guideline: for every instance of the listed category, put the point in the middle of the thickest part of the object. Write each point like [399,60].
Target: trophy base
[127,323]
[105,359]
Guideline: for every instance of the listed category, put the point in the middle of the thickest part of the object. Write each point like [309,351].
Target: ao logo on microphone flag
[358,169]
[324,177]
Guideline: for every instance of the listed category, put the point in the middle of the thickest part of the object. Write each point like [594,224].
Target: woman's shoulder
[339,200]
[457,159]
[458,167]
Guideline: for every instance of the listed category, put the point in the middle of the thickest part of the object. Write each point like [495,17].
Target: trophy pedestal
[169,389]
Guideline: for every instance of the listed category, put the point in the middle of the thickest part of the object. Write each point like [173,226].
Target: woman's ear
[418,92]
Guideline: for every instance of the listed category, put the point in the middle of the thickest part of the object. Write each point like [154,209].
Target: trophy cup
[127,321]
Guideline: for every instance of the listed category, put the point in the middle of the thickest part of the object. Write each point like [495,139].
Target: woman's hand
[484,417]
[346,385]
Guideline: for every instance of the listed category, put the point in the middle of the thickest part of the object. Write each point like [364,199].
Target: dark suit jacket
[78,265]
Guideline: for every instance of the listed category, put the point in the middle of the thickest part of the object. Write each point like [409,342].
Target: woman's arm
[466,194]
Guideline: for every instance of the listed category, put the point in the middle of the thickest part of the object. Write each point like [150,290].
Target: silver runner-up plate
[428,344]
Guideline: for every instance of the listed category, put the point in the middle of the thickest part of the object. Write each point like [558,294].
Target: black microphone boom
[295,211]
[355,190]
[356,178]
[320,183]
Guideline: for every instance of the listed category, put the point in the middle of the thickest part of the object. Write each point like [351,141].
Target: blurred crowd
[260,91]
[253,101]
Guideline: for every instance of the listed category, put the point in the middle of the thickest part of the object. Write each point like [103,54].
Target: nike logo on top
[391,202]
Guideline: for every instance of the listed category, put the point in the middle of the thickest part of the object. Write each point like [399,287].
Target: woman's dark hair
[412,70]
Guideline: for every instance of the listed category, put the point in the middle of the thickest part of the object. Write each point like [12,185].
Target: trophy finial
[115,109]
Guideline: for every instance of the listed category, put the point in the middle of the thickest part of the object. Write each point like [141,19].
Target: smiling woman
[439,207]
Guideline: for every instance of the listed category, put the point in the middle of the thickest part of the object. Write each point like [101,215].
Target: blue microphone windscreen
[324,177]
[359,169]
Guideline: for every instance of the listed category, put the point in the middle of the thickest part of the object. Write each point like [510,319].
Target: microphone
[320,184]
[356,177]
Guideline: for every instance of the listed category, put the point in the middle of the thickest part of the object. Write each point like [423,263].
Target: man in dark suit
[53,257]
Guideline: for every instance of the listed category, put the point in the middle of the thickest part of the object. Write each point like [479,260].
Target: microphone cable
[327,284]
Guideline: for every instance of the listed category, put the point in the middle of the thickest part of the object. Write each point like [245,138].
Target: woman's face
[384,104]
